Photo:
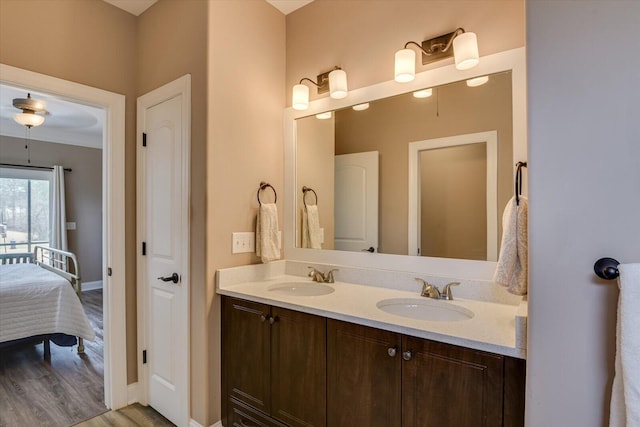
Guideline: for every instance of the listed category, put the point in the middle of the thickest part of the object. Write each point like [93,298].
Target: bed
[40,300]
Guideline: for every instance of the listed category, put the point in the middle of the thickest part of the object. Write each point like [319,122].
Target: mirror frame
[510,60]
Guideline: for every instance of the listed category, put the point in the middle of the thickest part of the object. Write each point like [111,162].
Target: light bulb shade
[324,116]
[405,66]
[28,119]
[338,84]
[361,107]
[465,51]
[477,81]
[424,93]
[300,97]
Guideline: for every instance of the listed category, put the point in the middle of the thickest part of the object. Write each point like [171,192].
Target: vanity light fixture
[465,52]
[361,107]
[30,108]
[424,93]
[477,81]
[324,116]
[334,82]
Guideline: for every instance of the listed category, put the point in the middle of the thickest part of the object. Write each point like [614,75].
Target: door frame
[113,223]
[178,87]
[490,138]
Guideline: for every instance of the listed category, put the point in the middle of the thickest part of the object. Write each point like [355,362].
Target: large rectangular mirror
[421,173]
[443,166]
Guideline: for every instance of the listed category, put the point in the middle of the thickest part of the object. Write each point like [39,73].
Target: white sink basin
[425,309]
[302,289]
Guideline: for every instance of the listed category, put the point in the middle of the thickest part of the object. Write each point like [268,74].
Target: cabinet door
[445,385]
[298,368]
[363,376]
[246,352]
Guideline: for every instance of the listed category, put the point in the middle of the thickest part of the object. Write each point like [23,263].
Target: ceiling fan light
[28,119]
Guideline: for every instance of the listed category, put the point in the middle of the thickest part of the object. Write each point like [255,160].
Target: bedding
[35,301]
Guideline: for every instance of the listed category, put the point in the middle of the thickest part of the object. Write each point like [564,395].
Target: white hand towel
[311,227]
[512,269]
[625,393]
[267,233]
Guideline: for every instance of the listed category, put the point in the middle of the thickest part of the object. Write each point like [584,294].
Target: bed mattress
[35,301]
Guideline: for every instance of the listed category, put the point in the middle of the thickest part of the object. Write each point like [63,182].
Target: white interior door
[356,202]
[163,177]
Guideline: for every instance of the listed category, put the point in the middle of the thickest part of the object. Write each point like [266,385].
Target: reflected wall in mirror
[388,126]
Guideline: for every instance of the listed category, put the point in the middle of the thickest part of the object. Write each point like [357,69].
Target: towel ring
[606,268]
[264,185]
[305,190]
[518,189]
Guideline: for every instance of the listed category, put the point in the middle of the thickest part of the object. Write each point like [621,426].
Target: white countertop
[492,328]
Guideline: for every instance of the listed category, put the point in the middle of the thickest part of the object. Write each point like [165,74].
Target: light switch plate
[71,226]
[243,242]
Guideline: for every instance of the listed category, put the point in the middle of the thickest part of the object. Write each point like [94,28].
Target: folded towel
[512,269]
[311,236]
[267,233]
[625,393]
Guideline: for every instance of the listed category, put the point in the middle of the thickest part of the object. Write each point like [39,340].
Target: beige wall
[83,194]
[584,169]
[316,151]
[172,42]
[244,145]
[93,43]
[389,125]
[453,200]
[362,36]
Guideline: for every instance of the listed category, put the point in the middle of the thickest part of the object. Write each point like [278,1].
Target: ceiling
[67,122]
[136,7]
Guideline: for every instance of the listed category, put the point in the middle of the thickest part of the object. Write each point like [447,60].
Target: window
[25,206]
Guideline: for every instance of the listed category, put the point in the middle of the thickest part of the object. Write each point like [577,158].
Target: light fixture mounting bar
[439,47]
[323,82]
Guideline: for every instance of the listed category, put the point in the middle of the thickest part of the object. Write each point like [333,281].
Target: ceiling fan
[33,111]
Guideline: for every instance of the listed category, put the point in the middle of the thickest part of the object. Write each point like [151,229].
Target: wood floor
[133,415]
[59,393]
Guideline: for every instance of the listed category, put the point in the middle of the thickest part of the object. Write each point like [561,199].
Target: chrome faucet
[318,276]
[432,291]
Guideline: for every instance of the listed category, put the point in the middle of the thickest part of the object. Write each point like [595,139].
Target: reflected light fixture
[324,116]
[477,81]
[465,52]
[334,82]
[30,108]
[424,93]
[361,107]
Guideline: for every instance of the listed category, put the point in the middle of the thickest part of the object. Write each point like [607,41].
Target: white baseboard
[132,393]
[194,423]
[90,286]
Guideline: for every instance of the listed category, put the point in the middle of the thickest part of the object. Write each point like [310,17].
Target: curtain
[58,214]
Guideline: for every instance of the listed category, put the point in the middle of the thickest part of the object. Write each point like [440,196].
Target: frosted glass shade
[405,66]
[28,119]
[338,84]
[324,116]
[361,107]
[465,51]
[477,81]
[300,97]
[424,93]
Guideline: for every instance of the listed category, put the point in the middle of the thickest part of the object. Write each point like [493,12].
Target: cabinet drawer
[239,415]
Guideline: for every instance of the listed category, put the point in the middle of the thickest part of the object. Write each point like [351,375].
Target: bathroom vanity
[300,353]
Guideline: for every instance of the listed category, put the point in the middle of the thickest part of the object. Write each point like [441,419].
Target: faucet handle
[446,291]
[429,290]
[329,276]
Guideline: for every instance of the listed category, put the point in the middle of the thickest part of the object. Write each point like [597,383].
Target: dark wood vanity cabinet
[363,376]
[274,366]
[381,378]
[286,368]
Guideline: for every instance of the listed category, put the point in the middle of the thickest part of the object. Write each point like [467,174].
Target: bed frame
[62,263]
